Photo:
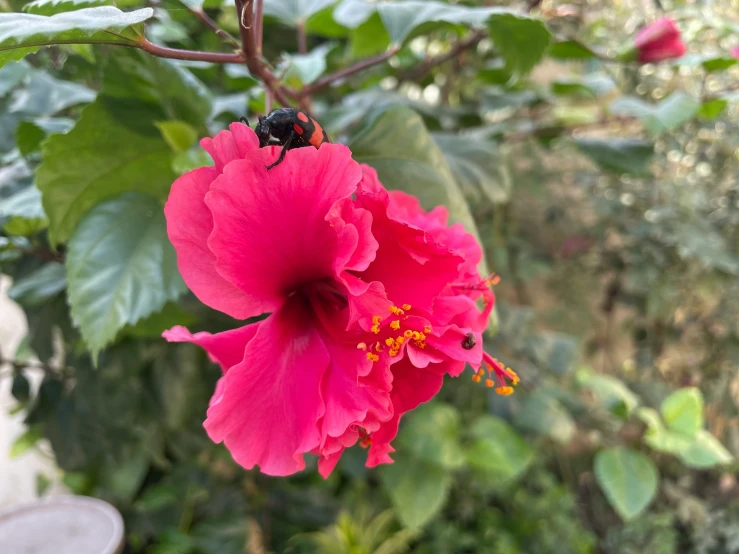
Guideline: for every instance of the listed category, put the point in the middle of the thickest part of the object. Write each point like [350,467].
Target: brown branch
[213,26]
[557,130]
[253,61]
[190,55]
[259,21]
[302,38]
[347,72]
[422,69]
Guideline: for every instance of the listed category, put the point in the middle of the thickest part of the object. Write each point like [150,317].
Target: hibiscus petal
[231,145]
[189,223]
[349,402]
[411,387]
[226,349]
[270,231]
[412,267]
[271,401]
[326,464]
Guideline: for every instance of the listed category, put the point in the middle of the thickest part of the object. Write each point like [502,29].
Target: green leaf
[400,19]
[21,388]
[498,453]
[611,393]
[113,148]
[431,433]
[570,50]
[418,489]
[669,114]
[44,95]
[191,159]
[294,12]
[306,68]
[12,75]
[622,155]
[24,212]
[40,286]
[179,135]
[172,314]
[370,38]
[353,13]
[658,437]
[120,267]
[51,7]
[477,165]
[720,63]
[704,452]
[25,442]
[556,352]
[711,109]
[521,40]
[543,414]
[629,480]
[22,34]
[28,137]
[140,77]
[683,411]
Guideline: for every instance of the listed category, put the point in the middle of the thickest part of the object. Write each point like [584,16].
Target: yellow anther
[481,371]
[513,375]
[362,346]
[489,383]
[504,391]
[395,324]
[389,341]
[408,333]
[421,345]
[376,319]
[379,347]
[400,340]
[406,306]
[376,329]
[395,310]
[393,352]
[476,378]
[427,329]
[372,357]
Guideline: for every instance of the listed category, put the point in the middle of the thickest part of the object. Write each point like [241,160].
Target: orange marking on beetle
[298,129]
[317,138]
[302,117]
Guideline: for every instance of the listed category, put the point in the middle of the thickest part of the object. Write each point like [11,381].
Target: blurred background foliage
[605,195]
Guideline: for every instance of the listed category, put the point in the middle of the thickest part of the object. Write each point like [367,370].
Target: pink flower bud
[659,41]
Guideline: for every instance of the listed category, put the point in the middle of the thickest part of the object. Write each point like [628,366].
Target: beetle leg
[244,121]
[284,150]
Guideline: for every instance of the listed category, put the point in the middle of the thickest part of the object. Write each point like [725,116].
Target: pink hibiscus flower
[371,299]
[659,41]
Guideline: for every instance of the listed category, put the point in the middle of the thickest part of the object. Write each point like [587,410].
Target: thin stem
[458,48]
[268,100]
[346,72]
[213,26]
[302,38]
[259,21]
[190,55]
[555,130]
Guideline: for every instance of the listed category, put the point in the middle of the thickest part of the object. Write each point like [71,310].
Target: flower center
[390,334]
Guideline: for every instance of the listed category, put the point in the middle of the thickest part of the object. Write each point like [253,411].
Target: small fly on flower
[469,341]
